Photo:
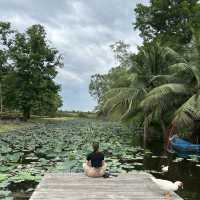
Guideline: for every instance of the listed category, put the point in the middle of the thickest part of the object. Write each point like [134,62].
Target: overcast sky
[82,31]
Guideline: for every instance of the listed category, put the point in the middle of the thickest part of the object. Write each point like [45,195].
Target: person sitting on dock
[95,166]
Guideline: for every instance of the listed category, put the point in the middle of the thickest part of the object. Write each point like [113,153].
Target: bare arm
[89,163]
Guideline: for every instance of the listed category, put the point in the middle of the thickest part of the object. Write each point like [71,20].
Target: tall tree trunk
[164,130]
[145,131]
[1,98]
[26,114]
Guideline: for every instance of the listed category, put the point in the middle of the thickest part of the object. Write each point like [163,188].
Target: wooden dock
[71,186]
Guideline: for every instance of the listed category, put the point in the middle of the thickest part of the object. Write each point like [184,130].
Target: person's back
[95,165]
[96,159]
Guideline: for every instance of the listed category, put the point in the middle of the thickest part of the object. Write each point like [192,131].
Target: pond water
[26,154]
[184,170]
[180,169]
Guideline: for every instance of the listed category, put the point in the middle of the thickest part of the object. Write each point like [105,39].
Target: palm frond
[133,107]
[188,112]
[126,98]
[163,96]
[169,53]
[181,69]
[162,79]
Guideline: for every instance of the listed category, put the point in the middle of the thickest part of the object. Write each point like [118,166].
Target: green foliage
[6,195]
[121,52]
[169,20]
[5,42]
[29,84]
[125,94]
[158,85]
[165,97]
[97,87]
[116,77]
[179,91]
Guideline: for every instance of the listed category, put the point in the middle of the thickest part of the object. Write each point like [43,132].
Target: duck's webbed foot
[167,195]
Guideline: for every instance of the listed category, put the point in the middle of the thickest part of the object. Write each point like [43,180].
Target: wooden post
[162,123]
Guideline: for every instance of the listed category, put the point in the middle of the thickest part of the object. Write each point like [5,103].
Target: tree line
[158,86]
[28,67]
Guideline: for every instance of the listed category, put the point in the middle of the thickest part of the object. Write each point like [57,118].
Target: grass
[9,126]
[36,119]
[6,126]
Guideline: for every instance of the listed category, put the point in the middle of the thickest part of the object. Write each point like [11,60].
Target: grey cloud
[82,30]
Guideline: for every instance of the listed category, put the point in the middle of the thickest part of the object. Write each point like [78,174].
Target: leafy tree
[161,82]
[116,77]
[121,52]
[170,20]
[34,62]
[148,66]
[152,60]
[98,86]
[5,42]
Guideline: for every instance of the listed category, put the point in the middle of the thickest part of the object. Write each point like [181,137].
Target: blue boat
[183,147]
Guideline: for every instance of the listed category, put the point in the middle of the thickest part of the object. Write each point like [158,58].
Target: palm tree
[178,92]
[152,60]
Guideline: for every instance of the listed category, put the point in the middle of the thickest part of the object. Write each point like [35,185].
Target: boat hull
[184,147]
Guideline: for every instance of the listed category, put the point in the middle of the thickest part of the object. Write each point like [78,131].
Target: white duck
[167,186]
[165,168]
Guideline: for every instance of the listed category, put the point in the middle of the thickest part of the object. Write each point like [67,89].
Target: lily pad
[5,194]
[5,168]
[25,176]
[3,177]
[193,158]
[178,160]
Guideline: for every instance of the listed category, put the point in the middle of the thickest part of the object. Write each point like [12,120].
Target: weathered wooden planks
[71,186]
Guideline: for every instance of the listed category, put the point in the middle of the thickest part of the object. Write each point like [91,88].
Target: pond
[25,155]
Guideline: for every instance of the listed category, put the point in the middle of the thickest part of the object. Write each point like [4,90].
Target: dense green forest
[158,86]
[28,66]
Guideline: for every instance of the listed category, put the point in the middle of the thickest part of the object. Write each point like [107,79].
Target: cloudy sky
[82,31]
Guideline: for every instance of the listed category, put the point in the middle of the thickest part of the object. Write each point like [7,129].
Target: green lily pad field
[61,146]
[25,155]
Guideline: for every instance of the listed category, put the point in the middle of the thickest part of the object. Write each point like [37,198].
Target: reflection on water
[184,170]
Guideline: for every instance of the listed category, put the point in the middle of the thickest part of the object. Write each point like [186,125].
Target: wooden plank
[72,186]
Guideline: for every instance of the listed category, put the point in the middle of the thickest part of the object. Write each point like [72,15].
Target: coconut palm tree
[151,61]
[179,92]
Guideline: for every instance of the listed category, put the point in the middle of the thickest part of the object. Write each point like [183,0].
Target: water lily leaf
[5,168]
[178,160]
[129,167]
[4,184]
[194,158]
[13,157]
[8,198]
[147,151]
[155,156]
[4,149]
[5,193]
[3,177]
[25,176]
